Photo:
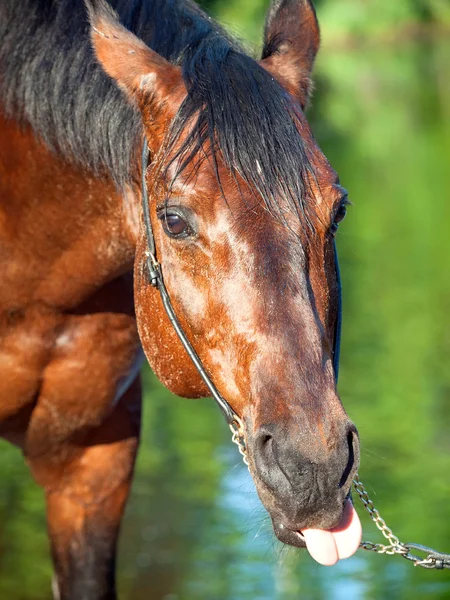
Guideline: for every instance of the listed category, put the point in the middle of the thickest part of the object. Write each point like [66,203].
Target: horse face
[257,297]
[255,291]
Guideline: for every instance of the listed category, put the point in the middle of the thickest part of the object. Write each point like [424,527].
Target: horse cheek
[163,349]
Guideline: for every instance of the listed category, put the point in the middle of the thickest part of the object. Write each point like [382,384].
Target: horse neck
[66,230]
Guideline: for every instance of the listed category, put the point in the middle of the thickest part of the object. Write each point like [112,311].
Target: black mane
[51,81]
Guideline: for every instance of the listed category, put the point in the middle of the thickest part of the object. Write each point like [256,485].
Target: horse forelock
[237,113]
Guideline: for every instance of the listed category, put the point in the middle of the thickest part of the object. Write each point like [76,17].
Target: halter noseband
[156,280]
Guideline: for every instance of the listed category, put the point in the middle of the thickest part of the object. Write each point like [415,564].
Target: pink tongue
[327,547]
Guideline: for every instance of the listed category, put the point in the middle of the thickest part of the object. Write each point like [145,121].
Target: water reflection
[194,528]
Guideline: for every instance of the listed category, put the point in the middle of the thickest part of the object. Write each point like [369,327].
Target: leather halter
[156,280]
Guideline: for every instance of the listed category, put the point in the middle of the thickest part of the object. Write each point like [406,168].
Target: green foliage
[343,21]
[25,570]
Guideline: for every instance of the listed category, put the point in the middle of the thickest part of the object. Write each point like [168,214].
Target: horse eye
[174,225]
[338,217]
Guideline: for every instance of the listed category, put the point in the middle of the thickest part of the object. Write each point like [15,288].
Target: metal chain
[394,546]
[432,560]
[238,438]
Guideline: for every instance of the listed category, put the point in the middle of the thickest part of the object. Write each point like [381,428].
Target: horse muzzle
[303,481]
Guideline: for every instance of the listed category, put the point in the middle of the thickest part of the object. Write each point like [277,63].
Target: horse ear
[148,80]
[291,42]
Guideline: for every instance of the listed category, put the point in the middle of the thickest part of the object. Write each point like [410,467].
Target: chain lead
[238,438]
[394,546]
[432,560]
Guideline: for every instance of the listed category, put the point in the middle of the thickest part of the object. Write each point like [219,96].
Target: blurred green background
[195,529]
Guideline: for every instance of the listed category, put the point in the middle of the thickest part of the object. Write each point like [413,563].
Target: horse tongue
[327,547]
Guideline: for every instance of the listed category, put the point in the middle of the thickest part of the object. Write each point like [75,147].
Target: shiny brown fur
[256,295]
[67,338]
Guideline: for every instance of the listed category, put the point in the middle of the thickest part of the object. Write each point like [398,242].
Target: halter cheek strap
[156,280]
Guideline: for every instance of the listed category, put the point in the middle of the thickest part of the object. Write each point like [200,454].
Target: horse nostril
[266,439]
[265,443]
[353,456]
[269,450]
[271,460]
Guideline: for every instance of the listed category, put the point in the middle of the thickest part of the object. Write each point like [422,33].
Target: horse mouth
[326,546]
[288,536]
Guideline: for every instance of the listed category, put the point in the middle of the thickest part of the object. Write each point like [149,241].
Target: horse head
[244,207]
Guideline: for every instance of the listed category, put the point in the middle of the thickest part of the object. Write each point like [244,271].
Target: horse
[238,207]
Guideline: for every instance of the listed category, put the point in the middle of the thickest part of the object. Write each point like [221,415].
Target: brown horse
[244,208]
